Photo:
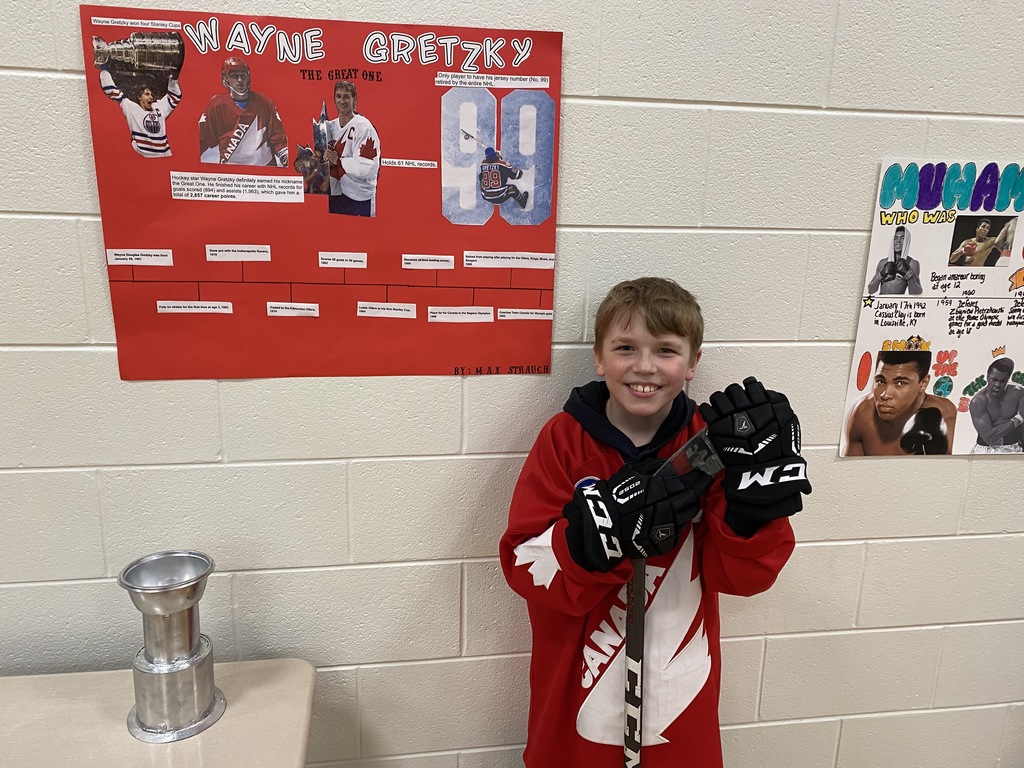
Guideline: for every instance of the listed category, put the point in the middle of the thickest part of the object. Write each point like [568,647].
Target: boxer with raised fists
[996,411]
[897,273]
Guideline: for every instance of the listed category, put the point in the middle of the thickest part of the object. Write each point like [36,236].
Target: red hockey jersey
[577,670]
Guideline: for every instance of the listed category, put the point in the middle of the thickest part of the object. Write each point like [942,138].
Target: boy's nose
[646,362]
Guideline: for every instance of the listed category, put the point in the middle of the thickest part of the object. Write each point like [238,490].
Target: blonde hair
[664,306]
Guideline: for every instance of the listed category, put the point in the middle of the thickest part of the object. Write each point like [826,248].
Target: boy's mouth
[643,389]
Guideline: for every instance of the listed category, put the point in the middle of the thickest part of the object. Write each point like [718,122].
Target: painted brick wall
[355,521]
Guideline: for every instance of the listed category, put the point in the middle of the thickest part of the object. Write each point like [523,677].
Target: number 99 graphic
[469,124]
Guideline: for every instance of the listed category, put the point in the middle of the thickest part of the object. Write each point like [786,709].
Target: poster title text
[378,47]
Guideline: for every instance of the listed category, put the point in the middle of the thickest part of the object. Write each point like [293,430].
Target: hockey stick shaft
[698,452]
[636,596]
[471,137]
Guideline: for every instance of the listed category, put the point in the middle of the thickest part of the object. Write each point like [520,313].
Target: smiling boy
[573,530]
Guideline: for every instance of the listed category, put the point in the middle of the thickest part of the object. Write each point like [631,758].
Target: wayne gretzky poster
[288,197]
[938,366]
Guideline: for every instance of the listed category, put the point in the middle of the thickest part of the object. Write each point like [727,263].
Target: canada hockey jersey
[249,135]
[358,151]
[577,669]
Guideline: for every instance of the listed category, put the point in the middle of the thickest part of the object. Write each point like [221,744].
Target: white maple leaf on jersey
[251,142]
[538,554]
[673,675]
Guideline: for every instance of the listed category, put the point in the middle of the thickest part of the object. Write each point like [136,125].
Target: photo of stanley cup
[154,51]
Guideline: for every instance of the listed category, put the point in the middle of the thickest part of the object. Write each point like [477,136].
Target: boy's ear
[693,365]
[597,362]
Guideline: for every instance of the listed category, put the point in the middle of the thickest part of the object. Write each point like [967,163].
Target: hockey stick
[699,453]
[636,596]
[473,138]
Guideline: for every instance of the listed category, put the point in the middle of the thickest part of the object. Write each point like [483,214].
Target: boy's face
[644,373]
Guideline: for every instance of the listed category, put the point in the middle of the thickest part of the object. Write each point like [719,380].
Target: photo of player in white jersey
[353,154]
[495,175]
[146,115]
[242,126]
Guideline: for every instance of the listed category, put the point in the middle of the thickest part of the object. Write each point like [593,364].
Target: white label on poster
[460,314]
[141,23]
[141,258]
[484,80]
[343,259]
[289,309]
[235,188]
[223,252]
[371,309]
[508,259]
[525,314]
[427,261]
[200,307]
[395,163]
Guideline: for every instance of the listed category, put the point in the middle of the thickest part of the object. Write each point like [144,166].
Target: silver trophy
[155,51]
[320,130]
[310,162]
[173,673]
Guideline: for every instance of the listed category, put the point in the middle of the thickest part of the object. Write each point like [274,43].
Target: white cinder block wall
[355,521]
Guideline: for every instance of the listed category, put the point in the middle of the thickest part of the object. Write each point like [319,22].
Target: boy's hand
[631,515]
[757,436]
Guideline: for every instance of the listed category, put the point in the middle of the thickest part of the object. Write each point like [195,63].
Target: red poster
[292,197]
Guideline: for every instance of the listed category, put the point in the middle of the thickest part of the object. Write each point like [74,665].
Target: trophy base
[140,732]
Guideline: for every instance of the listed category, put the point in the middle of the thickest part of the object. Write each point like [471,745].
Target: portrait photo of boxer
[899,417]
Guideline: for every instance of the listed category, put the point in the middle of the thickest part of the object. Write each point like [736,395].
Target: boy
[573,531]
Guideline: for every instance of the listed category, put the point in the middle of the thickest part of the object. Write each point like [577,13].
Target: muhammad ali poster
[938,366]
[292,197]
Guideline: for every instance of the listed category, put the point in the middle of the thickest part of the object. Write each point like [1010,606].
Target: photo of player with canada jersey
[353,154]
[242,126]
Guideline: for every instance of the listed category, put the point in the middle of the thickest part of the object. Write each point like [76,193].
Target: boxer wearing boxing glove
[897,273]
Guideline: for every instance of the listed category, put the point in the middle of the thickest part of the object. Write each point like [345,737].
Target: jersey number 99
[469,123]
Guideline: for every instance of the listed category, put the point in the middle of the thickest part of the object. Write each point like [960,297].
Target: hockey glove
[631,515]
[757,436]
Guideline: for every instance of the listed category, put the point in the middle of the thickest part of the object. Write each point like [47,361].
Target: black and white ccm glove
[757,436]
[632,515]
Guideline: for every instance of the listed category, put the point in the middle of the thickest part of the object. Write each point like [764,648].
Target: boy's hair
[664,306]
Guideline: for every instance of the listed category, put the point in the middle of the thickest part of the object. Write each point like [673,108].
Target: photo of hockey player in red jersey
[353,153]
[242,126]
[495,175]
[146,115]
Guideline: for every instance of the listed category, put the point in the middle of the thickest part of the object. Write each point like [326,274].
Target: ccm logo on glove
[602,519]
[789,473]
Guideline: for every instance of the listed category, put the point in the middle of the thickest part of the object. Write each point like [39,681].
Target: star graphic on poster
[869,301]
